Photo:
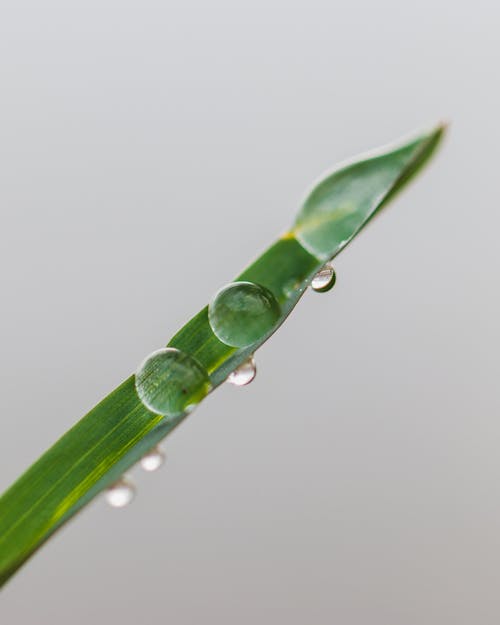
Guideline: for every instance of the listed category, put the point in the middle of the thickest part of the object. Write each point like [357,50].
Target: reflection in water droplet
[242,313]
[120,493]
[170,382]
[324,280]
[153,459]
[244,374]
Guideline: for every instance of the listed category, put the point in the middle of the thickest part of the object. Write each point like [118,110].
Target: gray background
[148,151]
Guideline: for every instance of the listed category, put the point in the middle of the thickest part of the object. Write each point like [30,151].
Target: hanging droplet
[153,459]
[242,313]
[120,494]
[170,382]
[324,280]
[244,374]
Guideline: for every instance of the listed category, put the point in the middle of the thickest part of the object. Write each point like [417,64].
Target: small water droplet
[324,280]
[244,374]
[242,313]
[120,494]
[170,382]
[153,459]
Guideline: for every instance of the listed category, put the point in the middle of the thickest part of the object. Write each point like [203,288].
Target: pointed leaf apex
[343,202]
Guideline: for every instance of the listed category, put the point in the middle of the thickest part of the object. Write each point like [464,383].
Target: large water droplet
[324,280]
[242,313]
[170,382]
[153,459]
[120,494]
[243,374]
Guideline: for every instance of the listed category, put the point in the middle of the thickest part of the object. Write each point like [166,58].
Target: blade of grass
[120,429]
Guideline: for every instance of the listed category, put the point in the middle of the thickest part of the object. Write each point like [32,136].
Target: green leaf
[120,429]
[340,205]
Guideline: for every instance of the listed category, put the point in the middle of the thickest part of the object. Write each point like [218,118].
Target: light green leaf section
[341,204]
[120,429]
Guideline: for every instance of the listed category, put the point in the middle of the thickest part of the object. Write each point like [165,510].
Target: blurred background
[148,151]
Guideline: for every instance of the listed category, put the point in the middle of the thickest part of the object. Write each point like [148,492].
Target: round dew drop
[153,459]
[242,313]
[170,382]
[120,494]
[324,280]
[244,374]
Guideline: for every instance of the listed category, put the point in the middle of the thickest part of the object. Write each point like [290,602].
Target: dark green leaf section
[64,478]
[119,430]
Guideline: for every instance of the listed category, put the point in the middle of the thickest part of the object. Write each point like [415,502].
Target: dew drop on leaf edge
[120,494]
[324,280]
[244,374]
[153,459]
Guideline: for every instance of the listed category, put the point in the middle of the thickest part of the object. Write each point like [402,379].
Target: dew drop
[324,280]
[153,459]
[242,313]
[244,374]
[120,494]
[170,382]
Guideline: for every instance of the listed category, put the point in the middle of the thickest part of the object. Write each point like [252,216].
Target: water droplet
[243,374]
[153,459]
[170,382]
[242,313]
[120,494]
[324,280]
